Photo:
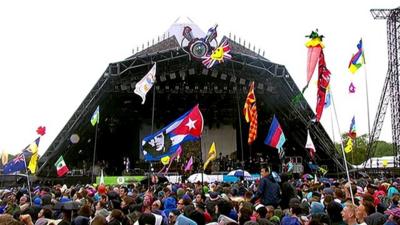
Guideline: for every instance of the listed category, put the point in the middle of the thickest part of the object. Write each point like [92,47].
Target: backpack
[290,220]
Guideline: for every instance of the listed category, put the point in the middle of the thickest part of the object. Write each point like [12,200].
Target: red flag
[250,113]
[323,82]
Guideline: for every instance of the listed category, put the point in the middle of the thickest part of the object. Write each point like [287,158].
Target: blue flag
[166,141]
[17,164]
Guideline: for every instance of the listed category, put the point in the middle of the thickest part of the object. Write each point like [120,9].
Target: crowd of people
[268,201]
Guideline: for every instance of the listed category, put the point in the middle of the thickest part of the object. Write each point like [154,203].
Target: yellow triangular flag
[212,155]
[349,146]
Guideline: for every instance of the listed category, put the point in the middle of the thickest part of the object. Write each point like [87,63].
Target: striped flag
[352,131]
[275,137]
[250,113]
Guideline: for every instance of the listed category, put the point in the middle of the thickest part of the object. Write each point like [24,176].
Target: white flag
[310,145]
[145,84]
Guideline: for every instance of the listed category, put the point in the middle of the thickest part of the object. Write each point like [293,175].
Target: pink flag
[189,164]
[177,155]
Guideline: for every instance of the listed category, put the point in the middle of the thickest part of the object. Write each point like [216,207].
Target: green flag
[96,116]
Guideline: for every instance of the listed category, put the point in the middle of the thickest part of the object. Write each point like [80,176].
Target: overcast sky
[53,52]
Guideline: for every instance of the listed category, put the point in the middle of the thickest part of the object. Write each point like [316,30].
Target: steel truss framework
[241,67]
[391,90]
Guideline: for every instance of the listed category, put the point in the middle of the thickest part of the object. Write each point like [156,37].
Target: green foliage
[357,156]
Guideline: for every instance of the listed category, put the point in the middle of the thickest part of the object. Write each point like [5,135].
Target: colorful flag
[275,137]
[61,167]
[145,84]
[352,131]
[357,59]
[250,113]
[189,164]
[212,155]
[16,164]
[323,84]
[310,145]
[95,117]
[349,146]
[166,141]
[32,151]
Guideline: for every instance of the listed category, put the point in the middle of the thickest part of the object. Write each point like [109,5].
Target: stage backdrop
[224,138]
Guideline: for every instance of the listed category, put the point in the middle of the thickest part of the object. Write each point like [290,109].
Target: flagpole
[341,145]
[94,150]
[366,91]
[240,125]
[152,129]
[27,179]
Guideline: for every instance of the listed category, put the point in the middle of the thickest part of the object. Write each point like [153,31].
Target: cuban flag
[17,164]
[166,141]
[275,137]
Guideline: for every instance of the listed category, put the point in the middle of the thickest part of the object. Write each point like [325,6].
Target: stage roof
[181,82]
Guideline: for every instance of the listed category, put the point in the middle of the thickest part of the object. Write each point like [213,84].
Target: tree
[359,152]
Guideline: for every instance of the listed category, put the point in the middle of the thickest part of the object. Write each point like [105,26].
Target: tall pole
[94,151]
[27,179]
[341,144]
[152,130]
[240,124]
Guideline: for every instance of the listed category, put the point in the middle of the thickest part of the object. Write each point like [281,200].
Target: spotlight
[233,79]
[260,86]
[205,71]
[192,71]
[182,74]
[223,76]
[172,76]
[214,73]
[242,81]
[163,78]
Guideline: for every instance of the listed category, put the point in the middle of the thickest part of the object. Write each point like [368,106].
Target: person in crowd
[349,214]
[268,191]
[101,210]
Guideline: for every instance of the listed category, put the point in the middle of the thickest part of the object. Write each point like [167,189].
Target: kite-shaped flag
[166,141]
[315,47]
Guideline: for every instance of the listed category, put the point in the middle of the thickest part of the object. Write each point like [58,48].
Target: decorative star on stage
[190,124]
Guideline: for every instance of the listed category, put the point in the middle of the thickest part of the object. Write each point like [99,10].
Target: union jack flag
[17,164]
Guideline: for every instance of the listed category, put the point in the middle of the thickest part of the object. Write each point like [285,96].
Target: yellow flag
[165,160]
[33,148]
[4,157]
[349,146]
[212,155]
[385,163]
